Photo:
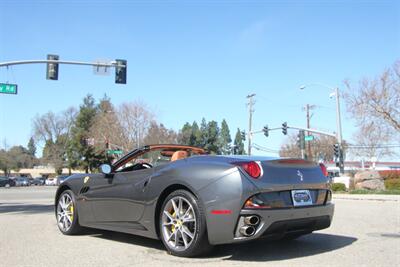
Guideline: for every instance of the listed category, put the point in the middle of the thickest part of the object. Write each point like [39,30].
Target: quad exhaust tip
[247,230]
[251,220]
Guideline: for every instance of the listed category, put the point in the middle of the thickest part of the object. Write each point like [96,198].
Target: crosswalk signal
[265,130]
[52,68]
[120,71]
[284,128]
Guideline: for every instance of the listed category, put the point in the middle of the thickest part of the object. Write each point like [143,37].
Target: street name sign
[6,88]
[118,152]
[308,137]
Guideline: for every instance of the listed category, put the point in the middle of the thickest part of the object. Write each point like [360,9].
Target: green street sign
[308,137]
[117,152]
[6,88]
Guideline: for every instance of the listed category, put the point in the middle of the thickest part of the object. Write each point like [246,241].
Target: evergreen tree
[203,133]
[82,143]
[225,139]
[212,144]
[195,137]
[31,147]
[185,134]
[238,148]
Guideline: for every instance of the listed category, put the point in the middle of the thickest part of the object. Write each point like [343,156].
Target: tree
[135,119]
[106,129]
[203,133]
[53,130]
[185,134]
[32,147]
[370,138]
[322,148]
[376,102]
[238,145]
[159,134]
[212,143]
[195,137]
[225,139]
[81,145]
[17,157]
[5,162]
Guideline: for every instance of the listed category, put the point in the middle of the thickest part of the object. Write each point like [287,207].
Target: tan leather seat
[180,154]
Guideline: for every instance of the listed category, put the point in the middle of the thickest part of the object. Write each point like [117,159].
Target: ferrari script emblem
[86,179]
[300,175]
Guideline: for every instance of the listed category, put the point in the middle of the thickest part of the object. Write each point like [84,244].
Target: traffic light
[265,130]
[52,68]
[243,135]
[336,151]
[120,71]
[284,128]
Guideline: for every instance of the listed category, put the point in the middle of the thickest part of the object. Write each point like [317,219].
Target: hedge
[392,184]
[337,187]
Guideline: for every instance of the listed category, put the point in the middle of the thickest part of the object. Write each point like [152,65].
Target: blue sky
[194,59]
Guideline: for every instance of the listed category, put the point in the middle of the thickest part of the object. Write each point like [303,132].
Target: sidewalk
[367,197]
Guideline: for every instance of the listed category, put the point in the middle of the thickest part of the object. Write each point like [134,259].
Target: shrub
[392,184]
[337,187]
[390,174]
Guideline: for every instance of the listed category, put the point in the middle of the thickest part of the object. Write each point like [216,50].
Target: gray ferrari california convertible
[192,201]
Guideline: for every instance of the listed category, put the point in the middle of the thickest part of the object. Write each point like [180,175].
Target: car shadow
[125,238]
[25,208]
[257,250]
[263,250]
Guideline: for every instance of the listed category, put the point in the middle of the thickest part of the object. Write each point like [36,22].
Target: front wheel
[183,225]
[67,214]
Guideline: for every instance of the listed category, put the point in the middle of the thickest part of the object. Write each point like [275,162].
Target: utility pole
[250,104]
[309,107]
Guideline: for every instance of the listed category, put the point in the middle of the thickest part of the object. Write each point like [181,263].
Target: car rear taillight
[323,169]
[252,168]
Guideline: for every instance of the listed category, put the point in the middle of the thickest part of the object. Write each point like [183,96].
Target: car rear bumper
[277,223]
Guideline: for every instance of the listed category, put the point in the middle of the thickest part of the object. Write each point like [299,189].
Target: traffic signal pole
[21,62]
[119,65]
[251,111]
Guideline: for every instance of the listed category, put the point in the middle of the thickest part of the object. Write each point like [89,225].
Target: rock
[373,184]
[366,175]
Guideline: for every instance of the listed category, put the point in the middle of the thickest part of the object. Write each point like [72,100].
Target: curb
[395,198]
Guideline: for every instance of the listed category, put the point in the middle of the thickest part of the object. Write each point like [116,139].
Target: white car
[51,181]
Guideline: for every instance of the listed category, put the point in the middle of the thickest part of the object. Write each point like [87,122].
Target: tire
[67,215]
[183,235]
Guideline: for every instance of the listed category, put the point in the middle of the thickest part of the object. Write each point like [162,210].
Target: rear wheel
[67,214]
[183,225]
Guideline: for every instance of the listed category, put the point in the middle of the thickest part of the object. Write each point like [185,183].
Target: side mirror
[105,168]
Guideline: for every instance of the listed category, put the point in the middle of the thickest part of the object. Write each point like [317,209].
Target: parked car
[22,181]
[51,181]
[6,182]
[61,179]
[38,181]
[194,201]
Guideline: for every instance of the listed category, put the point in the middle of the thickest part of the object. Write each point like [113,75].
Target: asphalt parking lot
[365,232]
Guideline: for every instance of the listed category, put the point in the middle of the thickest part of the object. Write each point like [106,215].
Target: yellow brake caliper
[173,226]
[71,209]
